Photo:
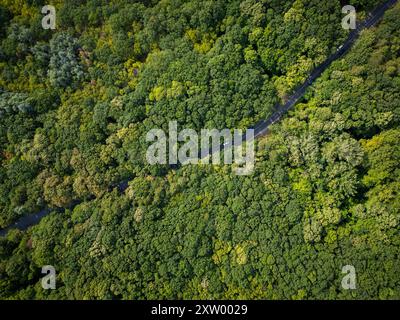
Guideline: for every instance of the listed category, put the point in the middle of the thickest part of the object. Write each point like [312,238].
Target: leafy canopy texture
[76,104]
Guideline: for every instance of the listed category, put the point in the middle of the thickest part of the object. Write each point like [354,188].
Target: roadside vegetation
[75,106]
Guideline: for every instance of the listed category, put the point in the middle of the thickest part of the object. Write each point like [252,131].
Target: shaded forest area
[75,106]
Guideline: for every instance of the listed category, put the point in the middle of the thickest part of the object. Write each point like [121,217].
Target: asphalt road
[261,127]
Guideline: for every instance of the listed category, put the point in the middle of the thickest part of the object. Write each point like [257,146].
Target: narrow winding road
[261,127]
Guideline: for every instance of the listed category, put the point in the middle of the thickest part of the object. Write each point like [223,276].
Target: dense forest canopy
[76,104]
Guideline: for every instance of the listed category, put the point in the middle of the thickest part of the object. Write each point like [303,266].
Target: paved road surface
[261,127]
